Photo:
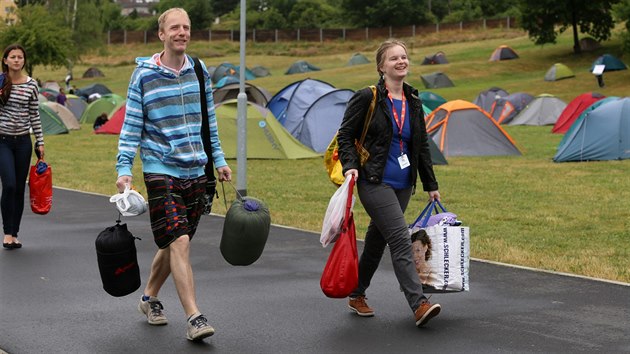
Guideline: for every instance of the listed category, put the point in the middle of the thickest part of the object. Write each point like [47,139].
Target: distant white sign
[599,69]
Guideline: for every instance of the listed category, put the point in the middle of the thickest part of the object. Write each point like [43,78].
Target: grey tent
[437,58]
[460,128]
[358,59]
[542,110]
[254,94]
[503,53]
[506,108]
[301,66]
[436,80]
[485,99]
[93,72]
[588,44]
[260,71]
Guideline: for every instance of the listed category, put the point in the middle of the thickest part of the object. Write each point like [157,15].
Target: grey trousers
[386,207]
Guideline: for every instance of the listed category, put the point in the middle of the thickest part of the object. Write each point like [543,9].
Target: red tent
[573,110]
[114,124]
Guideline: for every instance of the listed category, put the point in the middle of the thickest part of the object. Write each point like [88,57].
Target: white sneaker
[152,308]
[198,328]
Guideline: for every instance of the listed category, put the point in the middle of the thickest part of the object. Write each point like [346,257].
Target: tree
[545,19]
[44,37]
[622,13]
[381,13]
[199,11]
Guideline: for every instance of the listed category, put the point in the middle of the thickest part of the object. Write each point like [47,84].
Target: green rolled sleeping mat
[245,231]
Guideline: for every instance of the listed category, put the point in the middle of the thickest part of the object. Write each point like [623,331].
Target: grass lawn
[525,210]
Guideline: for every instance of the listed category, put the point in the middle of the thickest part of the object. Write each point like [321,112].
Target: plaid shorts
[175,206]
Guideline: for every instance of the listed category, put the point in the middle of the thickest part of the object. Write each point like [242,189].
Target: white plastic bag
[331,227]
[129,202]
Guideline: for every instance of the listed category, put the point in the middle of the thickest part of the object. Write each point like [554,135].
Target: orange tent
[461,128]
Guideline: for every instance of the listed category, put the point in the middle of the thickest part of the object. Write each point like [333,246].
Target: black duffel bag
[117,260]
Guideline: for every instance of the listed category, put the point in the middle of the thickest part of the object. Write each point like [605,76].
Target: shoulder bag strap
[205,126]
[369,115]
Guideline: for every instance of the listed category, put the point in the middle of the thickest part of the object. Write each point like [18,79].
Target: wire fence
[316,35]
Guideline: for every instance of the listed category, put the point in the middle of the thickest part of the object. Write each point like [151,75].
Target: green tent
[105,104]
[558,71]
[431,100]
[301,66]
[51,123]
[266,137]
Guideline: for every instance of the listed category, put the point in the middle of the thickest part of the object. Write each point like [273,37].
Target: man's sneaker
[425,312]
[152,308]
[358,305]
[198,328]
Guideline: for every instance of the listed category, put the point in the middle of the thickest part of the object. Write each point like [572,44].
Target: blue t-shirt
[393,175]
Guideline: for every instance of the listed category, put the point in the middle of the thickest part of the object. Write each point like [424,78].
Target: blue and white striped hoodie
[163,117]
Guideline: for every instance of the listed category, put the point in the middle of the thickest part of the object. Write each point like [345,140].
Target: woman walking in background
[19,112]
[398,148]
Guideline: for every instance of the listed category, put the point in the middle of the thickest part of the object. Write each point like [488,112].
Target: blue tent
[611,63]
[297,91]
[601,134]
[323,118]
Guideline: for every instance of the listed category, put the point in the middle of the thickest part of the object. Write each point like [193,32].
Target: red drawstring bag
[341,273]
[40,187]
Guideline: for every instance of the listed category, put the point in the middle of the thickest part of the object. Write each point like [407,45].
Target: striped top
[163,117]
[21,112]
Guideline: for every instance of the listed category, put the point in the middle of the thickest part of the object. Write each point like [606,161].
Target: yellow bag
[331,157]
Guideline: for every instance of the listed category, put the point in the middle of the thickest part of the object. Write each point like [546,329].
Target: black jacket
[379,137]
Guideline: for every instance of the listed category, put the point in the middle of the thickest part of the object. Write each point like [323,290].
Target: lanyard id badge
[403,161]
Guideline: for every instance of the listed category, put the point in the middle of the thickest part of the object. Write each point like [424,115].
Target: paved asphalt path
[52,301]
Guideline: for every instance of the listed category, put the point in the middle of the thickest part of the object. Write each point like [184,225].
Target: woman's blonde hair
[382,49]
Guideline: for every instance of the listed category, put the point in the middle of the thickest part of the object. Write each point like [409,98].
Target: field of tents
[503,126]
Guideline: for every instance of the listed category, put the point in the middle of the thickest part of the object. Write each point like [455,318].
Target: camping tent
[588,44]
[93,72]
[505,108]
[52,85]
[485,99]
[51,123]
[228,69]
[226,80]
[266,138]
[601,134]
[542,110]
[611,63]
[114,123]
[436,80]
[260,71]
[572,111]
[322,118]
[66,116]
[86,91]
[49,94]
[578,122]
[431,100]
[437,58]
[358,59]
[76,105]
[254,94]
[460,128]
[106,104]
[279,102]
[301,66]
[558,71]
[503,53]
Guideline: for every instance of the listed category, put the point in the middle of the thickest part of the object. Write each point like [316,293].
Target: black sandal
[8,246]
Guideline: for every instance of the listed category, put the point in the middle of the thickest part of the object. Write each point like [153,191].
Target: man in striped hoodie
[163,117]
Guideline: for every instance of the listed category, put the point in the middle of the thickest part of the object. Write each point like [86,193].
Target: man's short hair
[165,14]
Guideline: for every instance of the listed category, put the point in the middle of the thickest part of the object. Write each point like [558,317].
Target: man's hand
[225,173]
[122,180]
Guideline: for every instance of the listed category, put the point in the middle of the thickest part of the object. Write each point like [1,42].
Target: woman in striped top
[19,112]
